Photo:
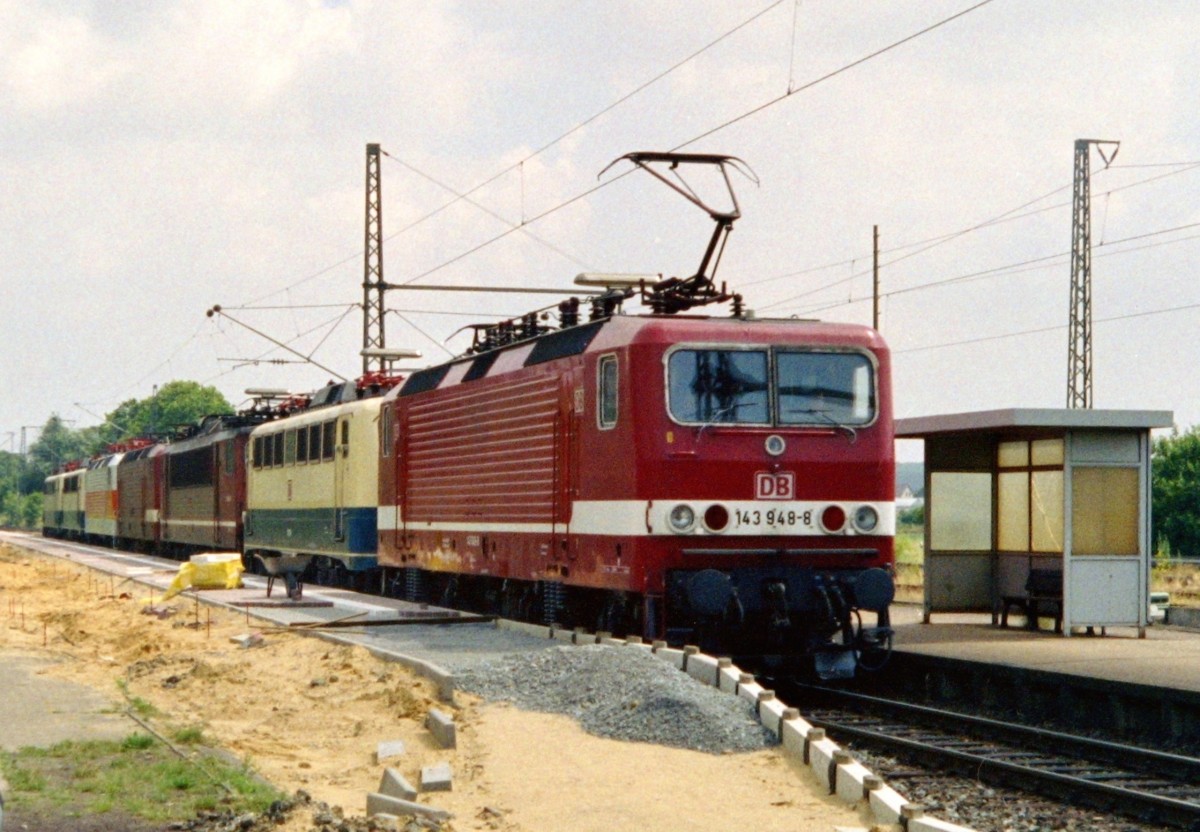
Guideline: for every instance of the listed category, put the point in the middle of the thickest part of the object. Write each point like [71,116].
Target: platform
[1142,686]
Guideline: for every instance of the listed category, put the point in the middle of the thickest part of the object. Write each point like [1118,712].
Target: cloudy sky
[161,157]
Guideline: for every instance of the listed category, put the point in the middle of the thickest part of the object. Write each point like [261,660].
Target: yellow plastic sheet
[213,571]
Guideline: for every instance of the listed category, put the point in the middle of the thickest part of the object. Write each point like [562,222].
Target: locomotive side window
[385,447]
[314,443]
[258,451]
[817,388]
[302,444]
[719,386]
[606,410]
[230,462]
[328,434]
[277,449]
[289,447]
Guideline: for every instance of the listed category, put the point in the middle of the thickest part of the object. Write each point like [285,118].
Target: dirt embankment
[308,714]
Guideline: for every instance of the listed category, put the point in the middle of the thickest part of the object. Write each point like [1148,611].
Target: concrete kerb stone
[727,678]
[770,714]
[820,759]
[535,630]
[669,654]
[929,824]
[749,689]
[562,634]
[886,804]
[437,674]
[703,669]
[382,804]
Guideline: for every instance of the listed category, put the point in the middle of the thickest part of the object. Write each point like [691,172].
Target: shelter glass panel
[1012,493]
[1046,511]
[1013,454]
[1047,452]
[1105,511]
[960,511]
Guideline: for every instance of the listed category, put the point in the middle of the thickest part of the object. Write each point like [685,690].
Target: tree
[175,404]
[56,445]
[1175,488]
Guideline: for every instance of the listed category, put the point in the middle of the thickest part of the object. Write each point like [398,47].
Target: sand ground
[309,714]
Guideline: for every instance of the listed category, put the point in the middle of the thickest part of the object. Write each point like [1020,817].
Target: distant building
[906,499]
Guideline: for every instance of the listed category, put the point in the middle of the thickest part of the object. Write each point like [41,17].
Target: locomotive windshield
[770,387]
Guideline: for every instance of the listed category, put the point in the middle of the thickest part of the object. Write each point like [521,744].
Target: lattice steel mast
[373,285]
[1079,346]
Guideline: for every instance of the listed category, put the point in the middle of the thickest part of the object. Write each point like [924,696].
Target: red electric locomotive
[721,481]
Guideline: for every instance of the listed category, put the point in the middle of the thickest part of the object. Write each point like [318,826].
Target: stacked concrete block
[395,784]
[441,725]
[381,804]
[388,749]
[437,778]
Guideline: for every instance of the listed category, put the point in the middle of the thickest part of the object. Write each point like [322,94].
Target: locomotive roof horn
[679,294]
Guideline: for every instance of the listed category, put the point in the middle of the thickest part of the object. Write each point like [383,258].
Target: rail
[1148,785]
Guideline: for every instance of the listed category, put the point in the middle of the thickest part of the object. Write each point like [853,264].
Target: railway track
[1139,783]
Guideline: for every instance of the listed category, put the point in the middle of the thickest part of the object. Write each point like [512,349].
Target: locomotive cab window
[778,386]
[719,386]
[606,408]
[824,388]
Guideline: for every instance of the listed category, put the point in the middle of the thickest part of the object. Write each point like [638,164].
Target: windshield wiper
[824,417]
[717,417]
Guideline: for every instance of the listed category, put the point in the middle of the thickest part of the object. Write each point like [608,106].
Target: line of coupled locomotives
[721,481]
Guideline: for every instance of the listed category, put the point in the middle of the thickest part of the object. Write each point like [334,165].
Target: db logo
[769,486]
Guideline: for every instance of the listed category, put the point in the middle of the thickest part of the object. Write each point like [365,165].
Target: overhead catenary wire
[1040,330]
[1031,264]
[1001,218]
[539,150]
[753,111]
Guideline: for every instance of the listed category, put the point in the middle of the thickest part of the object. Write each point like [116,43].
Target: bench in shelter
[1043,589]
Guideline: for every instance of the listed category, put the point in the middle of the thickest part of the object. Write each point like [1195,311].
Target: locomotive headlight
[681,518]
[866,519]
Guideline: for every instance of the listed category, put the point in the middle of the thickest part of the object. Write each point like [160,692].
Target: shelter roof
[1018,420]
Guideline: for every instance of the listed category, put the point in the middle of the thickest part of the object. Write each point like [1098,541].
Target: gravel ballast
[620,693]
